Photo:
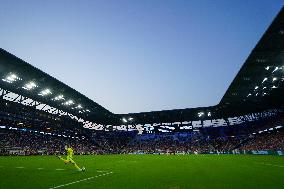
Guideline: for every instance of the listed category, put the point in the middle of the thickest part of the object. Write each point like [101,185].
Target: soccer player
[69,158]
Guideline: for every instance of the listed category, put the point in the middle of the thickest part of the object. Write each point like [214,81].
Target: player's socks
[77,167]
[82,169]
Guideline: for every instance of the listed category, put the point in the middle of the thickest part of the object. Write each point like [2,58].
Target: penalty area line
[102,171]
[75,182]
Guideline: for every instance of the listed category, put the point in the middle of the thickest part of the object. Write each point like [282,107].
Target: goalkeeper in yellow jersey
[69,158]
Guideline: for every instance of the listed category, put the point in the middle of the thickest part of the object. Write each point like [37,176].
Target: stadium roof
[258,86]
[22,78]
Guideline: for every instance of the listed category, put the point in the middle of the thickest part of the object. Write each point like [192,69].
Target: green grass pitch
[144,171]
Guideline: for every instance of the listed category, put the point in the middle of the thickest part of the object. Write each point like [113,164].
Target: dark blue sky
[133,56]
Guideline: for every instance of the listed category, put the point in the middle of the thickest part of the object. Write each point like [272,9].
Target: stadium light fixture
[209,114]
[267,68]
[274,79]
[264,87]
[124,120]
[256,87]
[79,106]
[11,78]
[69,102]
[249,94]
[273,87]
[130,119]
[59,97]
[29,86]
[264,80]
[200,114]
[45,92]
[276,68]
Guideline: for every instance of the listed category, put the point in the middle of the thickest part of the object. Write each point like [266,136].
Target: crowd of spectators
[18,142]
[27,143]
[267,141]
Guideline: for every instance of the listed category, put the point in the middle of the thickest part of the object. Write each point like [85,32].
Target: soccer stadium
[53,136]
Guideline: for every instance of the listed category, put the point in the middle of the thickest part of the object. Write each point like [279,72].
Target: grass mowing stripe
[63,185]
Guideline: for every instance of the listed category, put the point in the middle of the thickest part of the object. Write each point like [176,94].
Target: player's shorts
[70,160]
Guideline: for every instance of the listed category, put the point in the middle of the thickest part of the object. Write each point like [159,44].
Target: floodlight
[209,114]
[29,86]
[256,87]
[264,79]
[69,102]
[249,94]
[276,68]
[124,120]
[59,97]
[130,119]
[11,78]
[45,92]
[200,114]
[274,79]
[267,68]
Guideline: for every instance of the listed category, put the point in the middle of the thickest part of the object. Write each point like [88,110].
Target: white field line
[75,182]
[59,169]
[40,168]
[19,167]
[269,164]
[102,171]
